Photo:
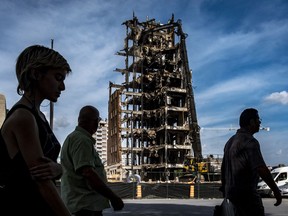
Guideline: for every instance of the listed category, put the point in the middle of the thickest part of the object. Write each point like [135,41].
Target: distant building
[2,109]
[101,140]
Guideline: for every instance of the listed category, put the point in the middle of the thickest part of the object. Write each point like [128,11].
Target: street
[185,207]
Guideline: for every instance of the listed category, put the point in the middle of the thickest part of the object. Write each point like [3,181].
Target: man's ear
[252,122]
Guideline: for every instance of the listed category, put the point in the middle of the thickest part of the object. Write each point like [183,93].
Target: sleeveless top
[19,194]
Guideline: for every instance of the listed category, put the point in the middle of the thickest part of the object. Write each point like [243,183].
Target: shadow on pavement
[135,209]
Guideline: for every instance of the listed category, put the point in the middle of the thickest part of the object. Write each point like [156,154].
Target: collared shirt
[242,157]
[78,151]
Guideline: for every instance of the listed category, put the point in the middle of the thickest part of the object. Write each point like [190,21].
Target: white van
[280,176]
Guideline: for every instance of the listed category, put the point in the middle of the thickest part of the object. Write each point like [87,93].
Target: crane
[232,128]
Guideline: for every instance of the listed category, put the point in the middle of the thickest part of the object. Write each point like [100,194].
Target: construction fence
[135,190]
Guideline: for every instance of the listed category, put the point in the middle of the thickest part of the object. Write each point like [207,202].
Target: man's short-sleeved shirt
[242,157]
[78,151]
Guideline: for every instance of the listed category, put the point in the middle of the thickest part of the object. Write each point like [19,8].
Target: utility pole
[51,103]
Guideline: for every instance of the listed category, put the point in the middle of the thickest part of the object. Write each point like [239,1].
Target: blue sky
[237,50]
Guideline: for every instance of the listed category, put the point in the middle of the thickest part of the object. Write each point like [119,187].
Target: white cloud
[278,97]
[61,122]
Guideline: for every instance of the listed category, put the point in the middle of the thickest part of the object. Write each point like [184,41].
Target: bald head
[89,118]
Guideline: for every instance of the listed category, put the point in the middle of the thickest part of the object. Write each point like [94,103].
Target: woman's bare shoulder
[20,118]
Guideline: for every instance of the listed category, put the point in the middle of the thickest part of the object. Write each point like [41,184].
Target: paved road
[185,207]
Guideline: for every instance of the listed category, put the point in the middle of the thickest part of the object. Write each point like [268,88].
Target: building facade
[3,109]
[101,140]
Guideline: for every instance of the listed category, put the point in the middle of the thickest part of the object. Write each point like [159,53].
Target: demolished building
[152,121]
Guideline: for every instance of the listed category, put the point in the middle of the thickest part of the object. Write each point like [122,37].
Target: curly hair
[38,58]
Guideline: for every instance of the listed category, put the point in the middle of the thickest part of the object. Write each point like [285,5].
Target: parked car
[284,190]
[280,176]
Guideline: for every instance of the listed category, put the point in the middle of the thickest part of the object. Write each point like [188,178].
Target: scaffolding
[152,122]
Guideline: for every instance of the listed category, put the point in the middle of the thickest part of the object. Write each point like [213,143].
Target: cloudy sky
[237,50]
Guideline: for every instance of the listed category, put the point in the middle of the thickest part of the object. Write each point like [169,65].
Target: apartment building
[101,140]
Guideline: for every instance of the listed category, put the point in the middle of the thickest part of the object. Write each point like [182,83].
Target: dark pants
[85,212]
